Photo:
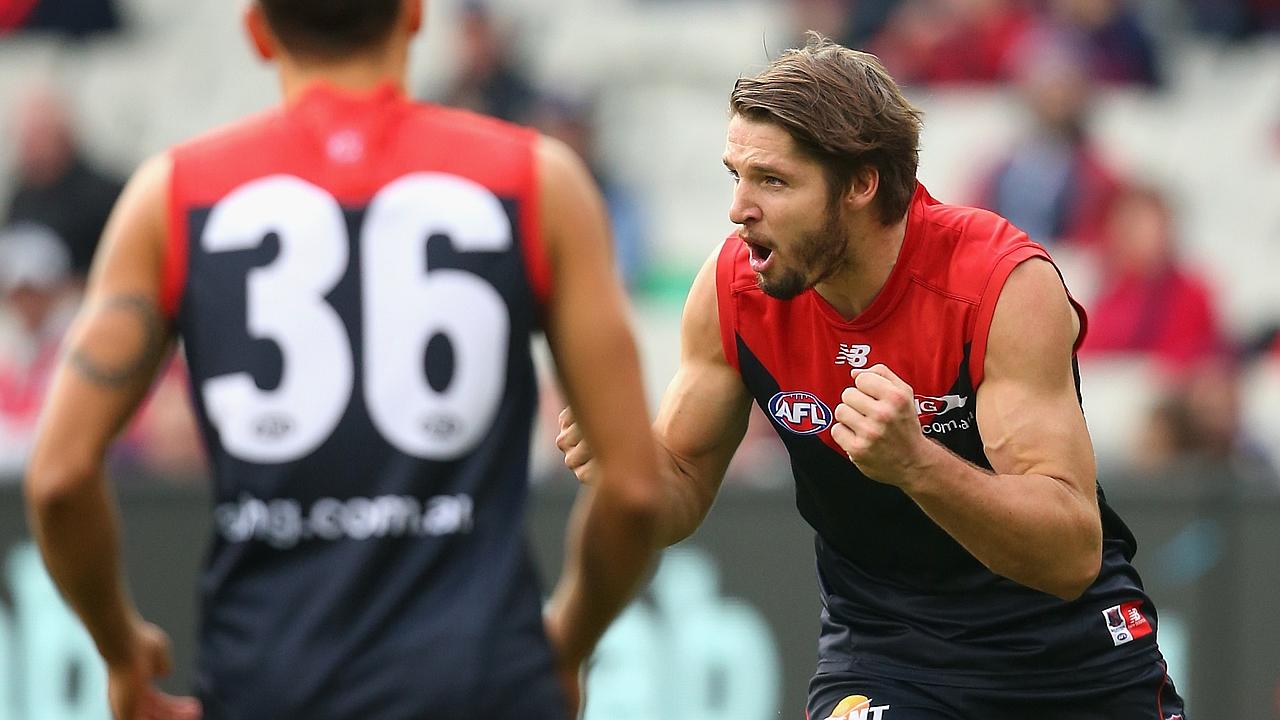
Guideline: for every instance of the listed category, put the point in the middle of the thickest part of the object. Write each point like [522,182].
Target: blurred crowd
[1118,237]
[51,226]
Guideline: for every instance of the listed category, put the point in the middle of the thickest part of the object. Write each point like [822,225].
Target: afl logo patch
[800,412]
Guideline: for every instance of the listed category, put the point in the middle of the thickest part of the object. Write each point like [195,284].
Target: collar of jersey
[899,278]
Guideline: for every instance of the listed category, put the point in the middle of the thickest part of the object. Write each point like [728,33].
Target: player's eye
[773,180]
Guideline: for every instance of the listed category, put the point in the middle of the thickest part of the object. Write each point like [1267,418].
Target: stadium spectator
[1195,433]
[953,41]
[489,79]
[855,23]
[37,299]
[1054,184]
[56,184]
[366,391]
[1119,49]
[571,121]
[1149,300]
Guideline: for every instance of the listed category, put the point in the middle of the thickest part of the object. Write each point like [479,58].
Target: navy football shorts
[1140,695]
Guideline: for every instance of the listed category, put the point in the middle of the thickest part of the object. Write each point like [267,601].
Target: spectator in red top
[1149,301]
[953,41]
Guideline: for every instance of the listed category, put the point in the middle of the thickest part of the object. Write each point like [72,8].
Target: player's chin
[780,284]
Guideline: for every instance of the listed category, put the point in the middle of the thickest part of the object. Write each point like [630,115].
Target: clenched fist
[877,426]
[577,454]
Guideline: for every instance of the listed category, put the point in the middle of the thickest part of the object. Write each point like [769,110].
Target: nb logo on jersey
[800,412]
[853,355]
[929,405]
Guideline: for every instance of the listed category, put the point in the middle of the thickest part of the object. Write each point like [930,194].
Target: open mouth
[760,256]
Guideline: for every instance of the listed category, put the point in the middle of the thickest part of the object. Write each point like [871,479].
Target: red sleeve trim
[537,264]
[173,273]
[725,268]
[987,305]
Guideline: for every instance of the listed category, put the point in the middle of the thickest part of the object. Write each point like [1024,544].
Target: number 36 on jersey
[404,305]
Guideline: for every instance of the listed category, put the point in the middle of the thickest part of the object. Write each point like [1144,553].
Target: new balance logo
[853,355]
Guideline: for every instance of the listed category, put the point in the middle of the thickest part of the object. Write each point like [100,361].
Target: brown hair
[843,109]
[330,29]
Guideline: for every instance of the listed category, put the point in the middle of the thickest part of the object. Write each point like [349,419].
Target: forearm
[687,493]
[78,535]
[609,552]
[1034,529]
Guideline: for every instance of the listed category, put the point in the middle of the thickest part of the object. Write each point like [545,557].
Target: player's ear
[862,187]
[413,11]
[259,31]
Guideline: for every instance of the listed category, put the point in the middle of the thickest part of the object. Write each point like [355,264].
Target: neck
[359,73]
[873,251]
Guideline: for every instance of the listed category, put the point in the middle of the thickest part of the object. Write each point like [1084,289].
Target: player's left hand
[571,682]
[130,684]
[877,425]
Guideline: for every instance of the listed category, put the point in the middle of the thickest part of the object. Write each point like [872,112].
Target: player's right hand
[577,454]
[568,669]
[131,684]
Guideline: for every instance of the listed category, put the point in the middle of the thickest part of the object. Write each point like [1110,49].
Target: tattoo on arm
[135,364]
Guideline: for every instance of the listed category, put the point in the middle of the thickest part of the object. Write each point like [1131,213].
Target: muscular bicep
[119,337]
[1027,407]
[704,411]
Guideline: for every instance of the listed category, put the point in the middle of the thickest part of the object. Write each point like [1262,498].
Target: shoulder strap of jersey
[173,277]
[1000,272]
[532,244]
[727,265]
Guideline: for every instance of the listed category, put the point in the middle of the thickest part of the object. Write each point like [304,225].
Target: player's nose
[743,209]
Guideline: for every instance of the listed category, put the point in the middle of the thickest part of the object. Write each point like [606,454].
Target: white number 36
[405,304]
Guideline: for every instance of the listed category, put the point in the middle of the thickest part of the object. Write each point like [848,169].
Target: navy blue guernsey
[355,280]
[900,596]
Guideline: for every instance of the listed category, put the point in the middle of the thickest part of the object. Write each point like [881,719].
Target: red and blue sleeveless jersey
[355,279]
[898,591]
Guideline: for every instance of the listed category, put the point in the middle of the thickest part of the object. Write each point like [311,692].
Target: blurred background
[1139,140]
